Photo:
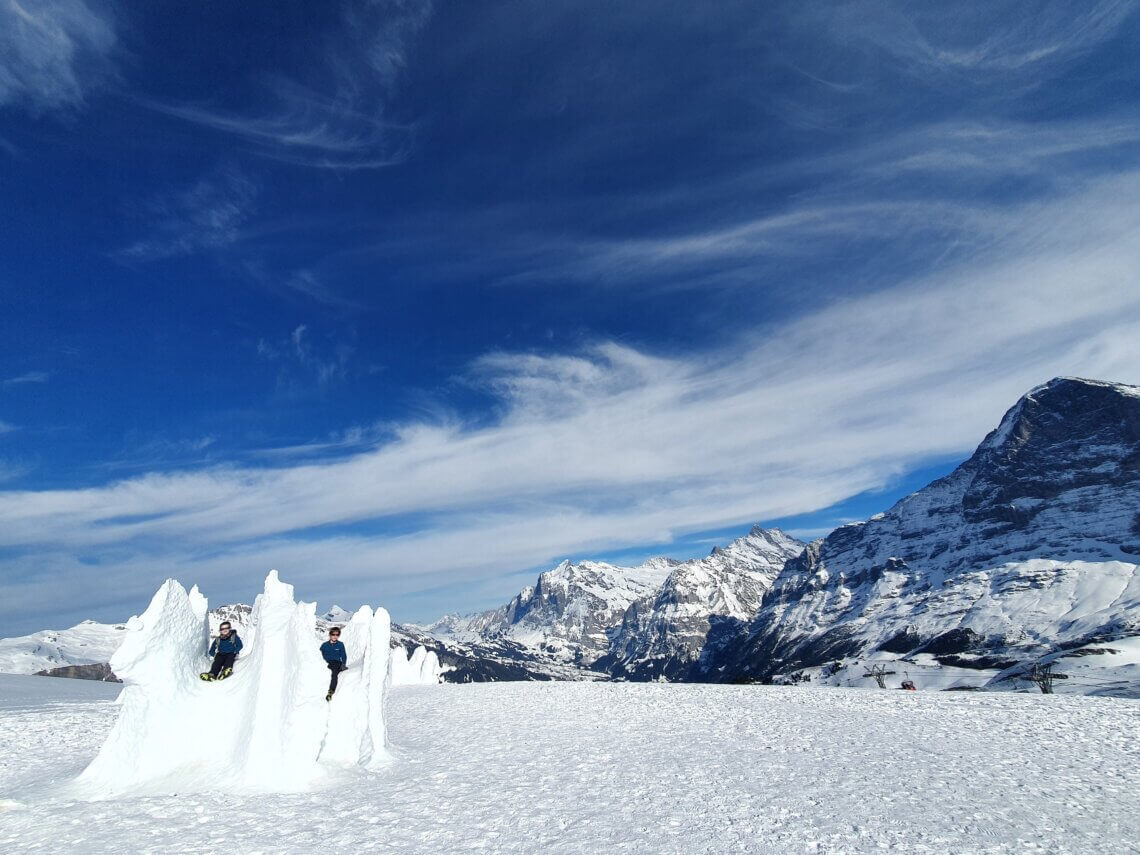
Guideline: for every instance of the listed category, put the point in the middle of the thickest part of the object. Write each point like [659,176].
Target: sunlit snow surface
[646,768]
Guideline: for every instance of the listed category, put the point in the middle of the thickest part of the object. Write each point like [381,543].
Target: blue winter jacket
[229,644]
[334,651]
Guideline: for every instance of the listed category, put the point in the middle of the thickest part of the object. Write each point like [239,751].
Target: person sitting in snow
[224,650]
[336,657]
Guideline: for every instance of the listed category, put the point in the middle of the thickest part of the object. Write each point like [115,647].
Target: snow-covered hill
[87,643]
[1029,545]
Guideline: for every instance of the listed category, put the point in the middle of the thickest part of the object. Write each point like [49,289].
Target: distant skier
[224,650]
[336,657]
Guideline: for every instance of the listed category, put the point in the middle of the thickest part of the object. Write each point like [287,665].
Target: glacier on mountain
[267,728]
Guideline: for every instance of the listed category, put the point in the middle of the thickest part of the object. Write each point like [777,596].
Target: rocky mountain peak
[1066,407]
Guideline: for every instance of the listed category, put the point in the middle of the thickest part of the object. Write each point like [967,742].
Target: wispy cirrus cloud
[53,53]
[299,355]
[935,188]
[999,38]
[304,128]
[207,216]
[612,446]
[24,379]
[336,117]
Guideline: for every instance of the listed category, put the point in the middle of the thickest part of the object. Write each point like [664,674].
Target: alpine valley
[1025,554]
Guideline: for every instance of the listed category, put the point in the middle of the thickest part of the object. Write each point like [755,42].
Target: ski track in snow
[629,768]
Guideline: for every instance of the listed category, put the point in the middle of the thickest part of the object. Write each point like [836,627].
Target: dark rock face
[960,640]
[904,642]
[1030,543]
[100,671]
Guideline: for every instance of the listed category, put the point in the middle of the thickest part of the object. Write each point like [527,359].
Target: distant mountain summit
[568,612]
[1030,544]
[666,632]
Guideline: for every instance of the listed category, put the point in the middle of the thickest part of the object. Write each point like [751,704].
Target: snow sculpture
[267,728]
[422,668]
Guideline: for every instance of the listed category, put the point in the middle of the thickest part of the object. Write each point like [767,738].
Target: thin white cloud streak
[24,379]
[52,53]
[612,447]
[342,125]
[307,132]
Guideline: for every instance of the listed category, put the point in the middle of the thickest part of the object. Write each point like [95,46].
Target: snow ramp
[267,728]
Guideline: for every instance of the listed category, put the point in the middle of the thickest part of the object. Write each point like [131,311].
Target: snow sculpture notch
[266,729]
[422,668]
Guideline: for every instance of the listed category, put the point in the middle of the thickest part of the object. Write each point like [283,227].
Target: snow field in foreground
[646,768]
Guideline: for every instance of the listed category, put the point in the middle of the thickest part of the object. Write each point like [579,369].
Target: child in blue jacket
[336,657]
[224,650]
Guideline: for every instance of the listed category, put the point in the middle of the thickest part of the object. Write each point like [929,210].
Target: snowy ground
[613,767]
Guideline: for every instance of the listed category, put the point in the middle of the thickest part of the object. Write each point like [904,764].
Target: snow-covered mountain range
[644,622]
[1026,550]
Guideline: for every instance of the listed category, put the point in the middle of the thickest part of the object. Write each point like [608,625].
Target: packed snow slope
[565,768]
[267,728]
[1030,545]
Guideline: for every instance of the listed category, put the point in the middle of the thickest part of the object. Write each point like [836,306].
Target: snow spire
[266,729]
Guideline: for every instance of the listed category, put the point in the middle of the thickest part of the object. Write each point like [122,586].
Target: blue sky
[412,299]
